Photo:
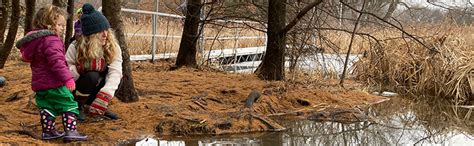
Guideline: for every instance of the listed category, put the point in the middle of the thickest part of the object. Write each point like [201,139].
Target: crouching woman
[95,60]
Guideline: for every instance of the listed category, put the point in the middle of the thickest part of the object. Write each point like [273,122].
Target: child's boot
[47,124]
[70,125]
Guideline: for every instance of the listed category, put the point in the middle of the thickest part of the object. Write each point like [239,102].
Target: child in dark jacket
[77,25]
[51,79]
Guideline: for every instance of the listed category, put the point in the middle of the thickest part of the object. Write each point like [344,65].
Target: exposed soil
[181,102]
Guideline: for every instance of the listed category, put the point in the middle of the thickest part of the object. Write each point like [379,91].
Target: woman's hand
[100,103]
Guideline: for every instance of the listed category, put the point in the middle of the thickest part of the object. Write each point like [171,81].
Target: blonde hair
[89,47]
[46,16]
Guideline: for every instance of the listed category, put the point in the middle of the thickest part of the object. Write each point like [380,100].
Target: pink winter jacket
[45,52]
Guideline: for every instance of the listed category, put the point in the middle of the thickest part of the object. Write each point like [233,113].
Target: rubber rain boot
[70,125]
[47,124]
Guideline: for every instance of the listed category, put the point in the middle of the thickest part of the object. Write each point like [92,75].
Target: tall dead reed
[408,67]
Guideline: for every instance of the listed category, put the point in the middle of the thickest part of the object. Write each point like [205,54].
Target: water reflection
[365,133]
[392,123]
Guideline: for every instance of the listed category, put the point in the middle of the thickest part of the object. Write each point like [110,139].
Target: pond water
[395,122]
[327,63]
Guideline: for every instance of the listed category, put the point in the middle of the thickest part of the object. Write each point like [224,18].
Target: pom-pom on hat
[92,21]
[79,11]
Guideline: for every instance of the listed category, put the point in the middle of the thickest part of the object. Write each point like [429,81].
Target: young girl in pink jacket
[51,79]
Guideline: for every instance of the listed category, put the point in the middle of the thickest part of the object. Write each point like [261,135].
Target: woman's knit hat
[92,21]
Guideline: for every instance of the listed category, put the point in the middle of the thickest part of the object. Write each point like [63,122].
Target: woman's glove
[71,85]
[100,103]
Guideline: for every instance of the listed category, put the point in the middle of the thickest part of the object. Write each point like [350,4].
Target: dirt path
[181,102]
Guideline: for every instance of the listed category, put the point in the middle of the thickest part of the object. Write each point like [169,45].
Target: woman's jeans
[88,85]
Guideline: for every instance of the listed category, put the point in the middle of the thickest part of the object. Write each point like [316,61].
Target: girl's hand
[71,85]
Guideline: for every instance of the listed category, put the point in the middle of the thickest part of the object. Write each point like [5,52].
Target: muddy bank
[399,121]
[183,102]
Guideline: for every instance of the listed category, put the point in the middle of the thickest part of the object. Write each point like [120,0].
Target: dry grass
[338,42]
[407,67]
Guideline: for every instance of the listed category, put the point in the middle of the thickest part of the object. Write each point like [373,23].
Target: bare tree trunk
[59,3]
[292,52]
[272,66]
[3,20]
[12,30]
[30,10]
[69,23]
[391,9]
[187,48]
[126,91]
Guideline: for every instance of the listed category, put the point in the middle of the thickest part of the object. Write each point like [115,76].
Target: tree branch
[350,19]
[299,16]
[341,83]
[357,33]
[391,24]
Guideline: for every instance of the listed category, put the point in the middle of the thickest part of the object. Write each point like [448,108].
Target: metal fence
[222,55]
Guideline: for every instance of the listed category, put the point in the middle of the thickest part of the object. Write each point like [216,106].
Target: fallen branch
[294,113]
[380,101]
[215,100]
[14,97]
[272,110]
[23,132]
[29,112]
[193,120]
[300,111]
[25,126]
[464,106]
[200,104]
[273,125]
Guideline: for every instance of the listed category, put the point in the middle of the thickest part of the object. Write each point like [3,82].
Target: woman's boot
[47,124]
[70,125]
[82,116]
[81,99]
[111,115]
